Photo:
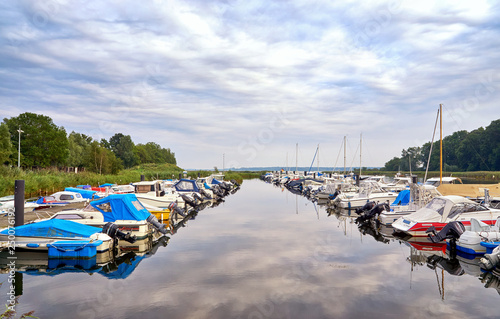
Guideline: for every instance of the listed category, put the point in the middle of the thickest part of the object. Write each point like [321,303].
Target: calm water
[265,253]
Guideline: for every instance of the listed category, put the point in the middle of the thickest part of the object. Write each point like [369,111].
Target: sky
[242,83]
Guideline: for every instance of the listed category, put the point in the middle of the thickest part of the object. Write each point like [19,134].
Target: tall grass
[48,181]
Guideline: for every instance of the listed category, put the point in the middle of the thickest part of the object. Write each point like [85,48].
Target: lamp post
[19,148]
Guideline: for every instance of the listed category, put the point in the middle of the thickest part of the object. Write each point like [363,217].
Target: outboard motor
[226,186]
[236,183]
[334,195]
[188,201]
[490,261]
[159,226]
[198,197]
[113,231]
[204,193]
[375,211]
[175,209]
[368,206]
[452,231]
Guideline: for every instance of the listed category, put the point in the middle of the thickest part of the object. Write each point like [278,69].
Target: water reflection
[267,253]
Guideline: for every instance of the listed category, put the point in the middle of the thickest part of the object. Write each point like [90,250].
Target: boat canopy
[86,193]
[45,199]
[442,208]
[121,207]
[186,185]
[84,186]
[403,198]
[54,228]
[107,185]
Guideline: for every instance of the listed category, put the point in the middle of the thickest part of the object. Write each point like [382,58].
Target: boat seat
[479,226]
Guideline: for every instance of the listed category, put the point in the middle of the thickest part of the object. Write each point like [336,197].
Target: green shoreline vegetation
[48,181]
[50,158]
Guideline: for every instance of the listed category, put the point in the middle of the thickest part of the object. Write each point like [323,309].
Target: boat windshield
[460,208]
[437,205]
[432,183]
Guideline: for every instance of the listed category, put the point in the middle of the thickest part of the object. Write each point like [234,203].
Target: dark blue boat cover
[124,269]
[186,185]
[54,228]
[123,207]
[403,198]
[86,193]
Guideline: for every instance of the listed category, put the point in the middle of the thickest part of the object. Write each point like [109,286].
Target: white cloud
[209,77]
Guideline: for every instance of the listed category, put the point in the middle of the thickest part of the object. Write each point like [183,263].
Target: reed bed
[48,181]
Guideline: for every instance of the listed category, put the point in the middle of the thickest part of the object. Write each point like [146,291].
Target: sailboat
[444,209]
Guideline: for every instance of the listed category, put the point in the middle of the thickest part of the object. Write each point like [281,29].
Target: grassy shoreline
[49,181]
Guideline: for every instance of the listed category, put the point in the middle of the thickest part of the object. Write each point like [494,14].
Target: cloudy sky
[250,79]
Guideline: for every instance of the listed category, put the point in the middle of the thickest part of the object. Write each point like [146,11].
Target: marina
[266,252]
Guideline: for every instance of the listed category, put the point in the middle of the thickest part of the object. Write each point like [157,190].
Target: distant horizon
[290,169]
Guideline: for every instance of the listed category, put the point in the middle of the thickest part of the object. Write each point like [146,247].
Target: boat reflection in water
[423,252]
[118,264]
[113,264]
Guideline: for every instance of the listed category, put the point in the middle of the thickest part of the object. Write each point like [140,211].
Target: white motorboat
[369,191]
[419,196]
[69,197]
[440,211]
[124,210]
[154,193]
[55,234]
[470,241]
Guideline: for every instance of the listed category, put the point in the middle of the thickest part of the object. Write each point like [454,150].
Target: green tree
[123,147]
[492,142]
[393,165]
[78,146]
[42,142]
[411,156]
[154,153]
[6,148]
[101,160]
[469,152]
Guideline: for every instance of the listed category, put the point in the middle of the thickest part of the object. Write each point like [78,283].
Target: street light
[19,148]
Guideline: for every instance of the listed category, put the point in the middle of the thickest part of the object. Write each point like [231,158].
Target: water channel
[265,253]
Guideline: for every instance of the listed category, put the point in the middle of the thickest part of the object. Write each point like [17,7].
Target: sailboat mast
[360,144]
[287,162]
[296,157]
[345,156]
[440,144]
[317,161]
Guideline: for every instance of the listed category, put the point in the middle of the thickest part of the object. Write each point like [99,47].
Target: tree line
[478,150]
[44,144]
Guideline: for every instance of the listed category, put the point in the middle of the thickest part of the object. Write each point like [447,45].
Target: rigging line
[432,144]
[471,145]
[340,150]
[354,157]
[314,158]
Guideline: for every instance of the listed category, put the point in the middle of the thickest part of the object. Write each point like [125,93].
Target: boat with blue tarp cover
[61,238]
[124,210]
[86,193]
